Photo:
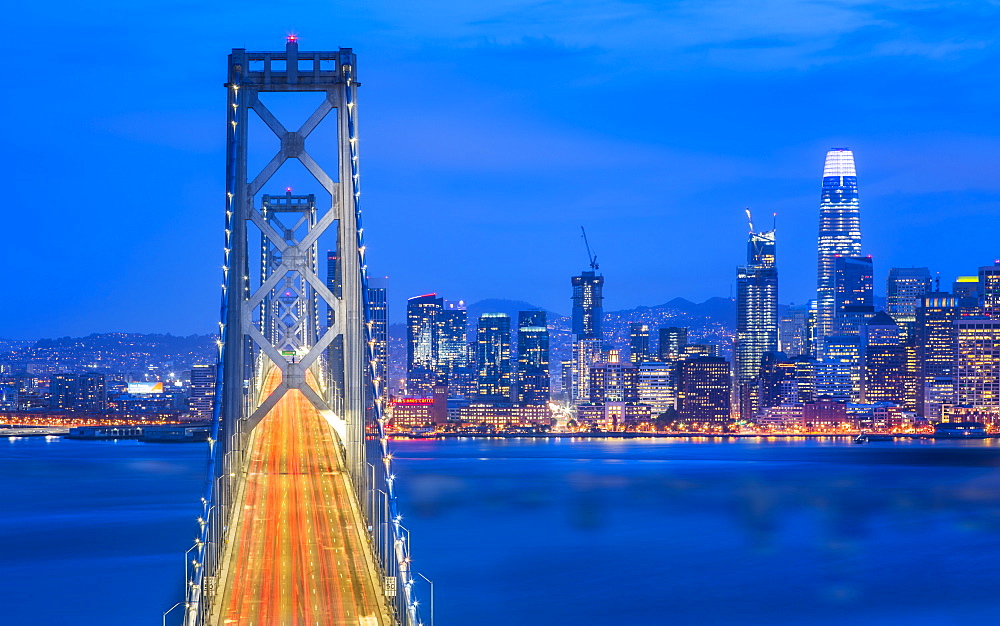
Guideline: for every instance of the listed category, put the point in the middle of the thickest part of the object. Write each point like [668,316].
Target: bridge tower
[271,311]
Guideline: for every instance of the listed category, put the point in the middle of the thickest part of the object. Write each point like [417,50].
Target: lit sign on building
[140,388]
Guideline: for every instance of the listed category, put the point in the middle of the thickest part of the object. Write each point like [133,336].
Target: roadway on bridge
[300,558]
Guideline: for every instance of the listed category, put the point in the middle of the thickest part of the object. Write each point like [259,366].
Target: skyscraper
[201,399]
[853,295]
[989,289]
[588,337]
[638,342]
[756,314]
[532,358]
[673,339]
[937,351]
[793,331]
[452,341]
[904,288]
[884,361]
[378,316]
[614,381]
[423,328]
[493,357]
[977,380]
[588,305]
[839,232]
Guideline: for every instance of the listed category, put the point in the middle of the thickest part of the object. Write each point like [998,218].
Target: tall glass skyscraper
[493,357]
[423,331]
[756,314]
[756,305]
[532,358]
[839,233]
[588,305]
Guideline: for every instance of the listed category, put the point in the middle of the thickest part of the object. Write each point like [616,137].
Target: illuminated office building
[452,341]
[703,391]
[978,367]
[966,287]
[989,290]
[423,330]
[588,337]
[884,361]
[793,331]
[838,374]
[588,305]
[657,387]
[493,357]
[201,399]
[378,316]
[904,287]
[839,233]
[853,295]
[532,358]
[672,342]
[937,351]
[638,343]
[614,380]
[756,315]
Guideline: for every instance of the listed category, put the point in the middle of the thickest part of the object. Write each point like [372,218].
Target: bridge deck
[299,557]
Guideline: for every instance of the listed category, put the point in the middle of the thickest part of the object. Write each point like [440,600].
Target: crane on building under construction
[591,258]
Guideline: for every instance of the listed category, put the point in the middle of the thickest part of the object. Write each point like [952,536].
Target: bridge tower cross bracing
[270,317]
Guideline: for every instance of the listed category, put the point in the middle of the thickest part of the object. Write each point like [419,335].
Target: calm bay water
[556,531]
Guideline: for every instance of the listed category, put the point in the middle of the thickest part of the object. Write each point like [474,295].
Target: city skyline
[679,156]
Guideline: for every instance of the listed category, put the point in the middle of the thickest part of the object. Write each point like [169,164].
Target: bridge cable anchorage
[297,407]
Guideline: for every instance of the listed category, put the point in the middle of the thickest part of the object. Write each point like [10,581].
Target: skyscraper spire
[839,233]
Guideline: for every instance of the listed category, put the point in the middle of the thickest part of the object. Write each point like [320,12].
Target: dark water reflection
[95,532]
[705,531]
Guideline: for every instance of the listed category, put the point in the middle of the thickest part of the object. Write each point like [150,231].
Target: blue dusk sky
[490,132]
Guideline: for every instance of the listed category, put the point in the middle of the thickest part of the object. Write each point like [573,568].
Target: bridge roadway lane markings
[298,521]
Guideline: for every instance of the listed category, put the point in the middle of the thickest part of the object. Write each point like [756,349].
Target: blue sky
[490,132]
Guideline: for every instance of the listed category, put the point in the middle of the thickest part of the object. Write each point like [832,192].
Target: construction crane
[591,258]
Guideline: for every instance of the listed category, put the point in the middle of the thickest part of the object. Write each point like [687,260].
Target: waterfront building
[63,389]
[673,339]
[638,343]
[423,328]
[839,232]
[793,331]
[703,392]
[505,416]
[825,415]
[201,398]
[977,372]
[884,360]
[532,358]
[493,357]
[936,351]
[92,395]
[615,416]
[776,383]
[614,380]
[904,287]
[657,386]
[756,315]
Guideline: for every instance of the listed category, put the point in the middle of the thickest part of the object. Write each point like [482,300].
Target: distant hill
[510,307]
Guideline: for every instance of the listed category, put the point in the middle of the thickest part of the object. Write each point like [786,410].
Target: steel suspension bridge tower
[272,351]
